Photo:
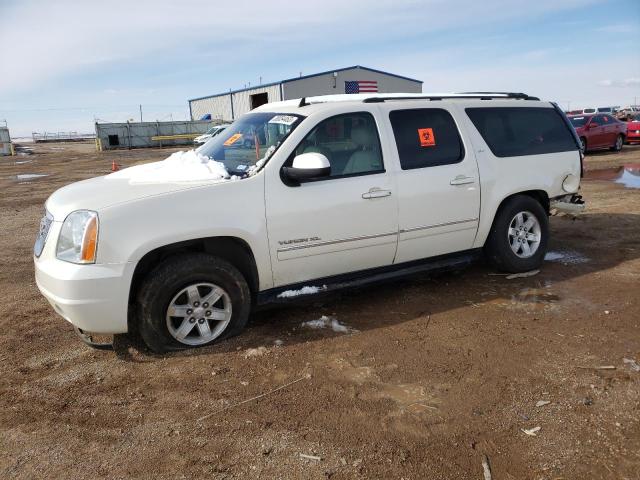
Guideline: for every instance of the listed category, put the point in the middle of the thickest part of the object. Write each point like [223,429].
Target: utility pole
[140,113]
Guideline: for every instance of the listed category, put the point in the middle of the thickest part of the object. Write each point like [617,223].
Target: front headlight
[78,240]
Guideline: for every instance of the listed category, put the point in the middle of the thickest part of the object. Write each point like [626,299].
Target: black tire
[173,275]
[619,143]
[583,144]
[498,249]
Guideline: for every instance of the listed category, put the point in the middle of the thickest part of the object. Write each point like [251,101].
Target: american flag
[361,86]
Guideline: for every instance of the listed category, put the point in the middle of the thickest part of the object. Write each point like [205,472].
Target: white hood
[182,170]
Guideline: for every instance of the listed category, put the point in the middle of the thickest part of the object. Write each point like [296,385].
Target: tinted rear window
[426,137]
[517,131]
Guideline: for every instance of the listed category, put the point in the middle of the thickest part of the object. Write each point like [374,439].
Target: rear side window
[426,137]
[517,131]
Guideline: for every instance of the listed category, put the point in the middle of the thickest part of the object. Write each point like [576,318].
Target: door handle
[376,192]
[462,180]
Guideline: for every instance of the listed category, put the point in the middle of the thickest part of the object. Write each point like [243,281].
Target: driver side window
[350,142]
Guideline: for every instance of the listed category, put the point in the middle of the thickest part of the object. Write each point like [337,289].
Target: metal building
[111,136]
[6,148]
[357,79]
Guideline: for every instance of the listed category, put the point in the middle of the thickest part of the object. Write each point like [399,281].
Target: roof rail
[517,95]
[467,95]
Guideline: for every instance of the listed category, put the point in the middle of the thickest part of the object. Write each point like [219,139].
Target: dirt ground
[432,374]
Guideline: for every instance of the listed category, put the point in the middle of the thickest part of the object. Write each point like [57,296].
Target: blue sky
[66,63]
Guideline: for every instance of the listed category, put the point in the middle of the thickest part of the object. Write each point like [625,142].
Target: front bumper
[93,298]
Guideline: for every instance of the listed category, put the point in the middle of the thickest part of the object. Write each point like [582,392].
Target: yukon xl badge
[298,240]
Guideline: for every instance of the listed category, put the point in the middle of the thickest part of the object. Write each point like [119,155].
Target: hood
[635,125]
[181,171]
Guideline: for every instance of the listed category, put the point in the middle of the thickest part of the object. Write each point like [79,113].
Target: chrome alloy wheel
[524,234]
[619,142]
[199,313]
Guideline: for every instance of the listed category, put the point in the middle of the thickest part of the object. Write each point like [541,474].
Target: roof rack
[466,95]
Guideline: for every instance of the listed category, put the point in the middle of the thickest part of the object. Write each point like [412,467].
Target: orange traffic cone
[114,166]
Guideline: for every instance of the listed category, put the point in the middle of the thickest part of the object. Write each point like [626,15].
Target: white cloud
[44,40]
[619,28]
[626,83]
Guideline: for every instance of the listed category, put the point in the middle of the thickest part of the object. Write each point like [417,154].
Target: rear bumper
[632,136]
[567,204]
[93,298]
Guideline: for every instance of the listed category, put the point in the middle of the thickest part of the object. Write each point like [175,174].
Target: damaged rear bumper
[567,204]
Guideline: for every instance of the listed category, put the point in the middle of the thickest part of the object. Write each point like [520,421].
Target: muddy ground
[432,374]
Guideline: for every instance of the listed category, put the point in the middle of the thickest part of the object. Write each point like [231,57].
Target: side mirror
[308,166]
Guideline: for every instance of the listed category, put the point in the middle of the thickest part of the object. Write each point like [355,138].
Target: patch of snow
[328,322]
[629,179]
[29,176]
[303,291]
[255,352]
[633,365]
[180,167]
[258,165]
[565,257]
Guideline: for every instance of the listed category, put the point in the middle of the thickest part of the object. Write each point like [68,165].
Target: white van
[330,192]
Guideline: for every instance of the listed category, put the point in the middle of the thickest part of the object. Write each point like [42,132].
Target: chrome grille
[43,233]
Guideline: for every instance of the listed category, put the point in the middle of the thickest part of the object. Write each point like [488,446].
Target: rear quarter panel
[501,177]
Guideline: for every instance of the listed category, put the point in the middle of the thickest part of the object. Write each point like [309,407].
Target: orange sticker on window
[232,139]
[426,137]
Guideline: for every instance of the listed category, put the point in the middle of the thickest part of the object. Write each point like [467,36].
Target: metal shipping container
[149,134]
[5,142]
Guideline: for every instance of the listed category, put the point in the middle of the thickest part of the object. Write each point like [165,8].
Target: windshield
[589,110]
[253,137]
[578,121]
[636,118]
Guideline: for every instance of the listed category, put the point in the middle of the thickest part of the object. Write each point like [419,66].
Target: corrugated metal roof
[303,77]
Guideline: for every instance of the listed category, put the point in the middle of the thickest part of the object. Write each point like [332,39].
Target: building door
[258,99]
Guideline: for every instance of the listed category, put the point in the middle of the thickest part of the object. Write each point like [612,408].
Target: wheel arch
[541,196]
[233,249]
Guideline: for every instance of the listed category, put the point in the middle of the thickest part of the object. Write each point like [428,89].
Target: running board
[313,288]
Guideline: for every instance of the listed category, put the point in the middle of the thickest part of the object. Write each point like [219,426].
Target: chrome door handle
[376,193]
[462,180]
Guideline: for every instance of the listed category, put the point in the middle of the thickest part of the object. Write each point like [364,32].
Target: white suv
[304,196]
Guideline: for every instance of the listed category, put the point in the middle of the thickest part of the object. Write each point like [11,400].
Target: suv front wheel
[518,238]
[192,300]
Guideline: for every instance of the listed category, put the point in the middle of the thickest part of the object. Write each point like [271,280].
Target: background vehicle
[212,132]
[633,129]
[335,192]
[599,131]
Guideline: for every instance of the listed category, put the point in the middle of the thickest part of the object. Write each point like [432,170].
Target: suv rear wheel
[192,300]
[518,238]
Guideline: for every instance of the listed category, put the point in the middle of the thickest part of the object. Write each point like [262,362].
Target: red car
[599,130]
[633,129]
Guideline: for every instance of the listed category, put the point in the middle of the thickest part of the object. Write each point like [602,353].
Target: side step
[365,277]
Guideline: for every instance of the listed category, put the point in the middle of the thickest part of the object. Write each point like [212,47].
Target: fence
[61,137]
[149,134]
